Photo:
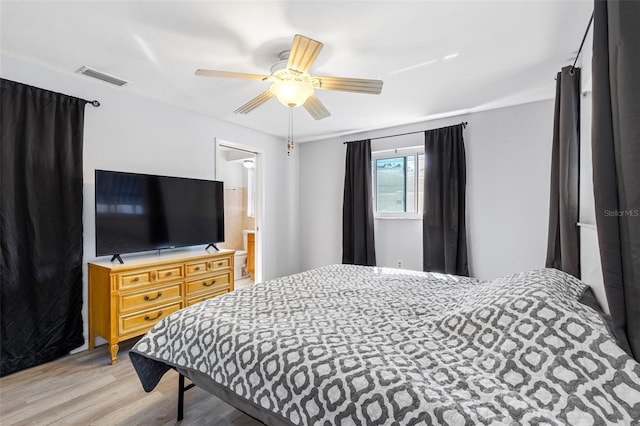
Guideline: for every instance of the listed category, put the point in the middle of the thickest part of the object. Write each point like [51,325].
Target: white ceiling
[508,53]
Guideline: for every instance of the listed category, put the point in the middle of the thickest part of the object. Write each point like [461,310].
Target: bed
[355,345]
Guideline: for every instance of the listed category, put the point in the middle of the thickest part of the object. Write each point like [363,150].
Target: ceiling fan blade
[315,108]
[229,74]
[358,85]
[254,103]
[304,52]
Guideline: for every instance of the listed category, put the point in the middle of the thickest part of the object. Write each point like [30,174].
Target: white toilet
[240,265]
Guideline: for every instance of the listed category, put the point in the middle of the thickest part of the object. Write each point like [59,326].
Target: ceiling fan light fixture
[292,93]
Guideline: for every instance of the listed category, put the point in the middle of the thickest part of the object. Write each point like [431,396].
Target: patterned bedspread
[354,345]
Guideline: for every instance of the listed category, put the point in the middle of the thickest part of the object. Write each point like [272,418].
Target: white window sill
[403,217]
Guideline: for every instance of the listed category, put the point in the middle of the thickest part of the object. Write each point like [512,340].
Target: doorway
[239,168]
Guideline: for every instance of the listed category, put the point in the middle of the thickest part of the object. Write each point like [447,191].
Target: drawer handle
[148,318]
[204,283]
[136,279]
[147,298]
[169,273]
[220,263]
[197,268]
[153,276]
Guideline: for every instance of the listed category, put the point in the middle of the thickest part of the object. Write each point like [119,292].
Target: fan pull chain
[290,137]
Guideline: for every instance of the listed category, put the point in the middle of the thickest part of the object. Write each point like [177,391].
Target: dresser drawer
[135,279]
[211,284]
[139,301]
[143,321]
[202,298]
[170,273]
[219,264]
[197,268]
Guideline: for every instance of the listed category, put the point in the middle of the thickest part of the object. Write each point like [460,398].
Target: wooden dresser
[251,257]
[126,300]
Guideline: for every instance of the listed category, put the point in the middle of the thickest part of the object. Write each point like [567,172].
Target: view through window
[398,183]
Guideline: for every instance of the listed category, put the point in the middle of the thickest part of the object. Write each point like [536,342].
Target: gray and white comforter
[353,345]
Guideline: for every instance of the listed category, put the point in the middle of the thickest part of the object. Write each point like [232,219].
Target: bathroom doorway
[239,168]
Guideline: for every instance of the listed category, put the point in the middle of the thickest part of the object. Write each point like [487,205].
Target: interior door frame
[259,196]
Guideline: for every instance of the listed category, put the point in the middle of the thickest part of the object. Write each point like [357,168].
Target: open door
[239,167]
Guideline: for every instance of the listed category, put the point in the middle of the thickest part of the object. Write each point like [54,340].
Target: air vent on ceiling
[90,72]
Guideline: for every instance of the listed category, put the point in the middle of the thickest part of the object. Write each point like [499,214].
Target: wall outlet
[399,264]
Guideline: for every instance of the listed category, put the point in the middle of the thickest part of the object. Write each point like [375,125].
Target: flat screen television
[138,212]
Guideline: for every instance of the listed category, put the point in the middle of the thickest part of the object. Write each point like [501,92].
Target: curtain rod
[464,125]
[583,39]
[94,102]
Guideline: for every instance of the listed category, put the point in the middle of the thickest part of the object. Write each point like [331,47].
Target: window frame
[414,151]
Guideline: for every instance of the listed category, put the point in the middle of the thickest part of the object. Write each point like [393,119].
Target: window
[398,182]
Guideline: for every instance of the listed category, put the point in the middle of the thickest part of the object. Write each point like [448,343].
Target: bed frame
[181,390]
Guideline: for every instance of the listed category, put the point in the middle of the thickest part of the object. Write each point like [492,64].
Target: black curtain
[444,231]
[563,242]
[358,246]
[40,225]
[616,161]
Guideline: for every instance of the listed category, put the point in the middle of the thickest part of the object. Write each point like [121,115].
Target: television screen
[137,212]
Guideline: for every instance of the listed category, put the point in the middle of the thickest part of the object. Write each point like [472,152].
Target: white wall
[129,133]
[233,173]
[508,171]
[321,188]
[590,266]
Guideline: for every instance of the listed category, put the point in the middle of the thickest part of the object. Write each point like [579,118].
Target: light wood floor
[85,389]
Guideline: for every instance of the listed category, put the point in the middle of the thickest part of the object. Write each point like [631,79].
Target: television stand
[125,301]
[212,245]
[117,257]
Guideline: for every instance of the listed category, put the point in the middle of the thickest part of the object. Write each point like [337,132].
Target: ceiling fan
[292,84]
